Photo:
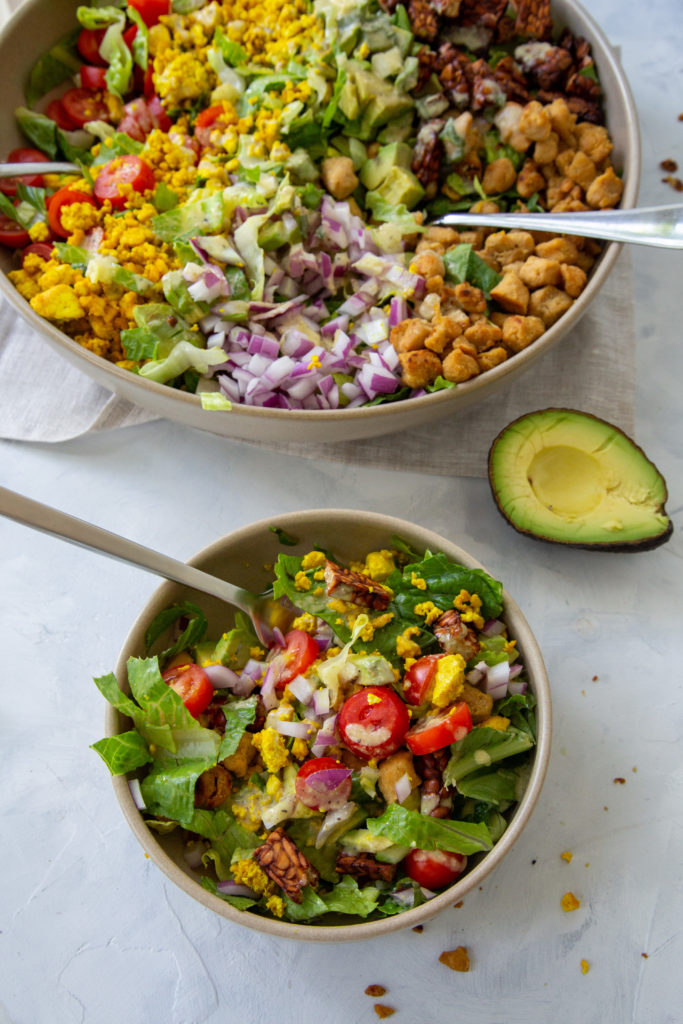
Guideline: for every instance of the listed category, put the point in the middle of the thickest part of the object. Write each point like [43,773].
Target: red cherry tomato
[373,722]
[158,113]
[208,116]
[435,869]
[23,155]
[12,234]
[93,77]
[64,197]
[192,685]
[323,784]
[123,170]
[418,678]
[129,35]
[440,730]
[42,249]
[151,10]
[83,105]
[56,112]
[300,652]
[88,43]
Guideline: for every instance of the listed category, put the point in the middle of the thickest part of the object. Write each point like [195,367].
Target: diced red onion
[230,888]
[136,793]
[302,689]
[497,679]
[474,676]
[221,677]
[403,787]
[192,854]
[321,702]
[517,686]
[299,730]
[493,627]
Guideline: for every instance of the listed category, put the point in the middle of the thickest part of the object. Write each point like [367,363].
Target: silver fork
[265,613]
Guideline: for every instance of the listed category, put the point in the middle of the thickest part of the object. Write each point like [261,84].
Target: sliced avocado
[570,478]
[276,233]
[399,186]
[374,171]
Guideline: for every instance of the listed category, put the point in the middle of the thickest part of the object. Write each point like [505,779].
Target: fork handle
[59,524]
[660,226]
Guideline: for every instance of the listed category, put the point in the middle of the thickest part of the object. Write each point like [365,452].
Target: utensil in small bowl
[264,612]
[248,554]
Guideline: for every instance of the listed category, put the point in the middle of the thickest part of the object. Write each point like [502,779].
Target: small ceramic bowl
[241,557]
[39,23]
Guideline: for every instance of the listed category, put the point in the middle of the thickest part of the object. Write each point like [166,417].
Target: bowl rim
[389,525]
[382,417]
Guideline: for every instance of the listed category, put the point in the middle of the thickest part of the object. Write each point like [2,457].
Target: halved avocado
[570,478]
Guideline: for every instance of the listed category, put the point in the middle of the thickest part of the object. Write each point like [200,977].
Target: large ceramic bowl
[241,557]
[37,25]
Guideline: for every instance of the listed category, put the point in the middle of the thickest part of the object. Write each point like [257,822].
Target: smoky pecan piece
[550,70]
[356,587]
[423,20]
[484,13]
[533,19]
[364,865]
[455,636]
[285,864]
[511,80]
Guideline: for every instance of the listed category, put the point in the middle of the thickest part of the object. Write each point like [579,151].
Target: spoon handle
[59,524]
[660,226]
[43,167]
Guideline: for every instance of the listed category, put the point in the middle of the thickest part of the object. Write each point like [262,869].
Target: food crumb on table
[567,855]
[585,967]
[383,1011]
[570,902]
[619,780]
[669,165]
[375,990]
[675,183]
[457,959]
[419,928]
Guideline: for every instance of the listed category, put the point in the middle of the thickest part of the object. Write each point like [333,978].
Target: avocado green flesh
[569,477]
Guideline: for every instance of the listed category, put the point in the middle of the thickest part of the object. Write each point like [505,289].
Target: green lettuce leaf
[444,581]
[38,129]
[482,747]
[238,715]
[410,828]
[54,67]
[348,898]
[192,634]
[123,753]
[169,792]
[463,264]
[201,216]
[491,787]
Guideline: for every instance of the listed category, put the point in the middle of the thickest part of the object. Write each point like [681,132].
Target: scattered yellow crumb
[567,855]
[383,1011]
[570,902]
[375,991]
[585,967]
[457,959]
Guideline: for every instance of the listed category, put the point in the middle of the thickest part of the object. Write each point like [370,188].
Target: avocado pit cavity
[567,481]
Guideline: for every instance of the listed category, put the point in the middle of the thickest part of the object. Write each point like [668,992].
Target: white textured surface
[91,932]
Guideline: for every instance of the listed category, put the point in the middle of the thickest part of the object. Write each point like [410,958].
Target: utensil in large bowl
[243,556]
[37,25]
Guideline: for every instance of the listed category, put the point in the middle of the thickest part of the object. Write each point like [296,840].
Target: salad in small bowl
[361,771]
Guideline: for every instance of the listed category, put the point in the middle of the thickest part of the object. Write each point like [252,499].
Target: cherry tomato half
[83,105]
[23,155]
[88,43]
[123,171]
[12,234]
[93,77]
[373,722]
[208,116]
[300,652]
[440,730]
[323,784]
[435,869]
[419,677]
[42,249]
[192,685]
[64,197]
[151,10]
[56,112]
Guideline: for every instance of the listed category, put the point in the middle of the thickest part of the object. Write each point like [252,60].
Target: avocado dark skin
[568,477]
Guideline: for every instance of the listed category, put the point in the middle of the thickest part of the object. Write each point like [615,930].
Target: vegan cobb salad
[354,766]
[249,222]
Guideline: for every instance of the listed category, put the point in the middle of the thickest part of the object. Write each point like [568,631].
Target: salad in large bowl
[351,770]
[249,221]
